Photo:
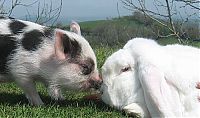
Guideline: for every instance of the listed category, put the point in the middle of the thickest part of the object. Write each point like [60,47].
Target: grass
[124,21]
[14,104]
[91,24]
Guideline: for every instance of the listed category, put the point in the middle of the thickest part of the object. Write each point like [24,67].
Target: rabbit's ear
[157,91]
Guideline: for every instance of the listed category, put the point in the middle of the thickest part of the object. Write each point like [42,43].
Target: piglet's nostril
[96,84]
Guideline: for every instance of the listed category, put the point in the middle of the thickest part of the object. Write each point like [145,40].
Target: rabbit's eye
[125,69]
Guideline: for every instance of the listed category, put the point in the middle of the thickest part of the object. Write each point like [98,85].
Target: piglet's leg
[55,92]
[30,91]
[157,92]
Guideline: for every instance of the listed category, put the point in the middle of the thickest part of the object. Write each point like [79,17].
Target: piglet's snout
[96,81]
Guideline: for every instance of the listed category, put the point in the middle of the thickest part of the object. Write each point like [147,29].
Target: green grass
[14,104]
[103,52]
[92,24]
[119,21]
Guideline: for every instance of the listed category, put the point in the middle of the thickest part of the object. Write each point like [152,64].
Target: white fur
[160,81]
[4,28]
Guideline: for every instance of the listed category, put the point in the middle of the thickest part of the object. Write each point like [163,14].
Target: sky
[84,10]
[93,8]
[77,9]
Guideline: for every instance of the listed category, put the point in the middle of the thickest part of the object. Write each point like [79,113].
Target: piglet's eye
[86,69]
[125,69]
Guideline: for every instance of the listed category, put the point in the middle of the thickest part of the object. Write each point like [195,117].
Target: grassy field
[105,41]
[14,104]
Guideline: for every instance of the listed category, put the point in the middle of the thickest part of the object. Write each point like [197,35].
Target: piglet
[60,59]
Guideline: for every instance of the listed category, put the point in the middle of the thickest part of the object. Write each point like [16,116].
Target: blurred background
[113,22]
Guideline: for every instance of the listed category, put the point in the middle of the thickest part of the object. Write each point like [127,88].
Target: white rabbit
[153,80]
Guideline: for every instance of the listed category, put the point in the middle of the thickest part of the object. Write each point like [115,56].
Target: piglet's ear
[74,27]
[65,47]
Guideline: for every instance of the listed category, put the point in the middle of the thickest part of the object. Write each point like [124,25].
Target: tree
[45,10]
[165,13]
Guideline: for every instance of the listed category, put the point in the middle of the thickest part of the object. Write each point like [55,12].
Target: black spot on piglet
[32,40]
[7,47]
[71,46]
[88,66]
[17,26]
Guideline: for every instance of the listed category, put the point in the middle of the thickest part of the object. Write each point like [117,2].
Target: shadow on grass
[13,99]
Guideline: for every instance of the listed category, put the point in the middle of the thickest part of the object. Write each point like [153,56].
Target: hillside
[117,31]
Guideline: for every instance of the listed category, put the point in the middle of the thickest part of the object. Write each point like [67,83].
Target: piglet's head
[76,65]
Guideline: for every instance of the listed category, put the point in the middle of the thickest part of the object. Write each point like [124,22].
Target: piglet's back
[17,35]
